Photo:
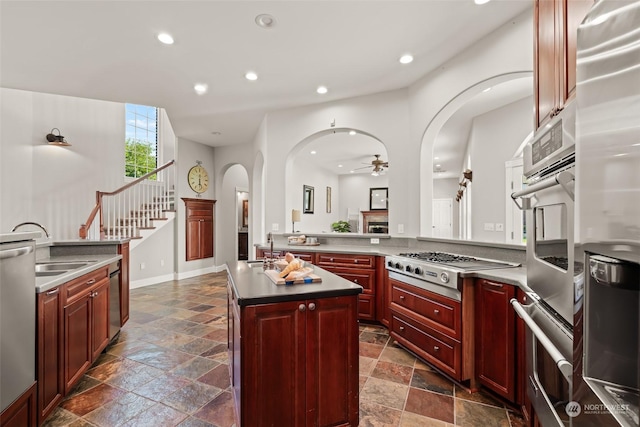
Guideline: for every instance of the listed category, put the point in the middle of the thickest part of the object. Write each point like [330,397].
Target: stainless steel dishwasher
[114,299]
[17,320]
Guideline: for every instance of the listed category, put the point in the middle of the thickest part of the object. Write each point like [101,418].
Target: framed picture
[378,199]
[307,199]
[328,199]
[245,213]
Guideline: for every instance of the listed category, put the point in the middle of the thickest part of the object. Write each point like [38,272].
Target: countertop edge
[46,283]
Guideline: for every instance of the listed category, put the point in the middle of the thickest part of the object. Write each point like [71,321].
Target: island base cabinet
[299,363]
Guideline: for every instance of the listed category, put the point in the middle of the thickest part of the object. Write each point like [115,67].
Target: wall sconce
[56,139]
[467,177]
[295,217]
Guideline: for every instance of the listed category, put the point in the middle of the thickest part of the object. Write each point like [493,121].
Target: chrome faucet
[31,223]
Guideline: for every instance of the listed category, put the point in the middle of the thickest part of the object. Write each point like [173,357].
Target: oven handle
[563,364]
[563,179]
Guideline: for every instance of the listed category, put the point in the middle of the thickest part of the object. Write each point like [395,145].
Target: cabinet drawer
[436,348]
[199,209]
[76,287]
[444,312]
[346,260]
[366,307]
[364,278]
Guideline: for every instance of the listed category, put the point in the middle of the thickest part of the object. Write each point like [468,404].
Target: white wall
[354,193]
[156,252]
[494,138]
[320,220]
[56,186]
[188,153]
[508,50]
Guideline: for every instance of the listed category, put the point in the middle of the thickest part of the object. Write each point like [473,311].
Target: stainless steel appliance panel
[114,299]
[17,320]
[549,370]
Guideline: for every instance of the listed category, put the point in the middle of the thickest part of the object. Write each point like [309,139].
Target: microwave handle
[563,364]
[563,178]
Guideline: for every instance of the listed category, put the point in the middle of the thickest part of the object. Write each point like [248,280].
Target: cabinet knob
[402,297]
[436,311]
[355,280]
[331,259]
[302,307]
[355,261]
[436,348]
[312,306]
[402,328]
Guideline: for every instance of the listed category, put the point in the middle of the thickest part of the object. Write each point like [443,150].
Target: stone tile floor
[169,367]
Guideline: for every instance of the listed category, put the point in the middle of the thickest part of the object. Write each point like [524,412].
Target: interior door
[442,218]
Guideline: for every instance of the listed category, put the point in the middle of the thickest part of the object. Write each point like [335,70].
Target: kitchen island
[293,349]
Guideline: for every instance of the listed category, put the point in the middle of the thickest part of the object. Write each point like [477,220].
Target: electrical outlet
[499,226]
[488,226]
[142,266]
[400,228]
[275,227]
[161,263]
[375,241]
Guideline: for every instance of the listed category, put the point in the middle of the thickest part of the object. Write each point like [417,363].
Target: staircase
[135,210]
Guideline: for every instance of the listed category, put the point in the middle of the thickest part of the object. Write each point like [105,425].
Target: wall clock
[198,178]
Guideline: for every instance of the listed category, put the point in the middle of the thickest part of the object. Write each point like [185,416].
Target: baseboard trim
[151,281]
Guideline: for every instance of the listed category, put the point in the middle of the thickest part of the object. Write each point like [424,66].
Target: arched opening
[337,167]
[229,210]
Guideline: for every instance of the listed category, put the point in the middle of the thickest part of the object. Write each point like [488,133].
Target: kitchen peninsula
[293,349]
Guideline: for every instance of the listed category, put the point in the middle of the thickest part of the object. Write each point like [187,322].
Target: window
[141,140]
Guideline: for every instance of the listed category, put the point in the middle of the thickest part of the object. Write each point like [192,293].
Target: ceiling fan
[378,165]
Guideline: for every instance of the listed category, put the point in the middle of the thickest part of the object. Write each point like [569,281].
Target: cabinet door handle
[355,261]
[331,259]
[436,348]
[91,282]
[402,328]
[53,291]
[355,280]
[302,307]
[312,306]
[436,311]
[402,297]
[532,382]
[494,284]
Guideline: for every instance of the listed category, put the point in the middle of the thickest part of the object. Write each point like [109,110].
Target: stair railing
[132,207]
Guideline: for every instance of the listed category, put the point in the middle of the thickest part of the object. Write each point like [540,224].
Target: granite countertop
[251,286]
[516,276]
[19,236]
[350,249]
[46,283]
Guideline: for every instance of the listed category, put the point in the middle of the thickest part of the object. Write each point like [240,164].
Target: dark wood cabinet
[496,338]
[50,354]
[199,228]
[22,412]
[243,246]
[123,250]
[428,324]
[86,323]
[295,363]
[359,269]
[555,25]
[522,398]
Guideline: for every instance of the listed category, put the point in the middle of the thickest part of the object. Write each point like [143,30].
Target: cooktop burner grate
[442,257]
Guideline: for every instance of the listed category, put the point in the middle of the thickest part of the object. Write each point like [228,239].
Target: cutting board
[275,278]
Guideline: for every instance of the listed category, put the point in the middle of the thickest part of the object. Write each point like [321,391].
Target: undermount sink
[58,267]
[49,273]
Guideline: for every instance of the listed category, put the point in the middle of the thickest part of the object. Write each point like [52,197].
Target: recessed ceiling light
[251,76]
[620,154]
[352,132]
[486,90]
[165,38]
[406,59]
[322,90]
[436,158]
[438,165]
[481,1]
[200,88]
[313,152]
[351,171]
[339,166]
[265,21]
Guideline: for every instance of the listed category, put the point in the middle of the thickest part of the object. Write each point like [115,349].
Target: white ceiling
[108,50]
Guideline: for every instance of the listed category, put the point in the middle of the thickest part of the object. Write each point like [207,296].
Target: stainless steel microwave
[552,145]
